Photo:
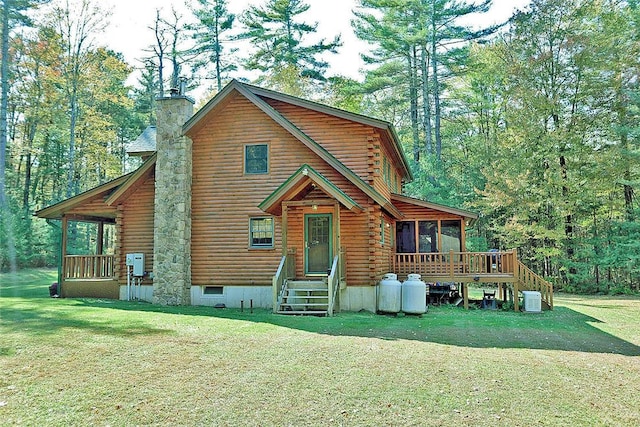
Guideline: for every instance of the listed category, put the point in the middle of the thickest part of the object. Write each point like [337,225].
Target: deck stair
[530,281]
[307,297]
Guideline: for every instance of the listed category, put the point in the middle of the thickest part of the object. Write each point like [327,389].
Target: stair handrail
[279,283]
[333,283]
[534,282]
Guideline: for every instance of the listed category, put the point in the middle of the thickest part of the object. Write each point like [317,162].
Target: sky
[129,33]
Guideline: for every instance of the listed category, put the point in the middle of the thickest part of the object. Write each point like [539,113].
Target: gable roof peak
[250,91]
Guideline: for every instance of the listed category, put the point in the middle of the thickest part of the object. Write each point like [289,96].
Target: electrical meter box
[137,262]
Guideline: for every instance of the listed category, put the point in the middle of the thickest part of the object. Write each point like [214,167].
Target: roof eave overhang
[470,217]
[57,210]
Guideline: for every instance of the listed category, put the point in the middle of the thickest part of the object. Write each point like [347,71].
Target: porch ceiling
[299,184]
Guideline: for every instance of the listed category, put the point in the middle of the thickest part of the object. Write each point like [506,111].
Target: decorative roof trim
[292,186]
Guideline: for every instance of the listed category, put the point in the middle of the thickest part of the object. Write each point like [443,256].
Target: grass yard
[95,362]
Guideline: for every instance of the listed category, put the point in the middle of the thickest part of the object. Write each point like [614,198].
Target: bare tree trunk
[413,95]
[159,51]
[426,103]
[436,86]
[218,53]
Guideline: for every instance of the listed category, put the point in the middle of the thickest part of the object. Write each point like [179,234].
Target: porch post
[463,235]
[63,254]
[336,229]
[285,210]
[100,238]
[465,292]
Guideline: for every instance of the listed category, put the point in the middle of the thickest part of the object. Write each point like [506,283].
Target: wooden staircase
[308,297]
[527,280]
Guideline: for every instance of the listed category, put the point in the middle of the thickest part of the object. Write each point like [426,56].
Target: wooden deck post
[100,239]
[465,295]
[451,266]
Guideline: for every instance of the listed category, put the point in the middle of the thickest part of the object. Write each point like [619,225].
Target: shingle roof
[144,144]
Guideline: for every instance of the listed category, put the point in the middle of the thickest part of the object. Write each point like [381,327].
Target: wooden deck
[479,267]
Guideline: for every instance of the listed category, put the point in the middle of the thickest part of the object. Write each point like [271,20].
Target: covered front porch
[88,264]
[93,274]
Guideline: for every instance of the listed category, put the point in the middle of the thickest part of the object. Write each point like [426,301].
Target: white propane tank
[414,295]
[389,294]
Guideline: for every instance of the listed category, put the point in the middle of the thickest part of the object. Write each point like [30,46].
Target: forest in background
[534,124]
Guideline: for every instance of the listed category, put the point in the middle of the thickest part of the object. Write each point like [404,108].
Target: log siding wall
[359,147]
[224,197]
[134,223]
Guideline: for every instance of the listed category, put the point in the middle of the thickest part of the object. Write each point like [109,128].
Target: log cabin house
[267,199]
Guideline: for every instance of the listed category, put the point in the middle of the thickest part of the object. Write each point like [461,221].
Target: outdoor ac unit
[532,301]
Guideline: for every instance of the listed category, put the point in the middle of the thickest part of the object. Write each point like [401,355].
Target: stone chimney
[172,213]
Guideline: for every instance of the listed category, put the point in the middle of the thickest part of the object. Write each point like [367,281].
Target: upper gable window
[256,158]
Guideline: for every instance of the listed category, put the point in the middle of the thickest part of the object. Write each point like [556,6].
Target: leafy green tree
[545,129]
[145,94]
[428,43]
[77,24]
[278,38]
[13,16]
[396,36]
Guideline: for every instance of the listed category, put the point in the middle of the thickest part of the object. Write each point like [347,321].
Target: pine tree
[214,20]
[279,42]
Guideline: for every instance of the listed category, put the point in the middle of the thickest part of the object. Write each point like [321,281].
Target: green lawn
[96,362]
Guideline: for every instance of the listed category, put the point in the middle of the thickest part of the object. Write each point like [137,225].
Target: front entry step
[308,297]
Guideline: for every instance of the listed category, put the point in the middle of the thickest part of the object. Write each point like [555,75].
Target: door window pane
[318,243]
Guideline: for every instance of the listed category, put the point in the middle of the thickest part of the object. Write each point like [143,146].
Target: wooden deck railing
[465,267]
[456,264]
[88,267]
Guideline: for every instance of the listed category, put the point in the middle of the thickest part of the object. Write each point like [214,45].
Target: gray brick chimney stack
[172,215]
